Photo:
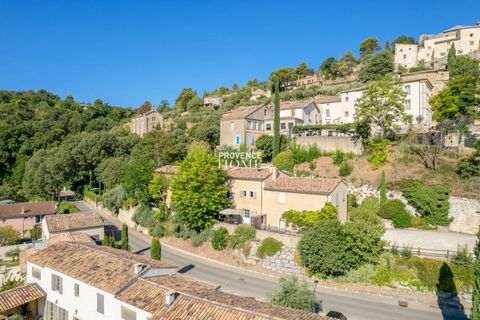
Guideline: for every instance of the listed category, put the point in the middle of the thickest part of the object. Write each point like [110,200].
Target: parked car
[336,315]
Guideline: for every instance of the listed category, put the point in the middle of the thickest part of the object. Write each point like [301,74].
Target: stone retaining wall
[287,239]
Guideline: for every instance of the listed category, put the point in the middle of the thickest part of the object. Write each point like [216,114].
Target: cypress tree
[475,315]
[124,242]
[452,59]
[155,249]
[276,121]
[383,189]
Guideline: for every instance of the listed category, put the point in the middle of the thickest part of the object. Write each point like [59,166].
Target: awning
[19,296]
[229,212]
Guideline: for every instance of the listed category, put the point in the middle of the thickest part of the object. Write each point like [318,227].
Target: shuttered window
[100,303]
[57,283]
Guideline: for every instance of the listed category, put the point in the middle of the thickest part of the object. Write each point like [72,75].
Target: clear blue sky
[126,52]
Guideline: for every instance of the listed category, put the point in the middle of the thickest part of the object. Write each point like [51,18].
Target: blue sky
[126,52]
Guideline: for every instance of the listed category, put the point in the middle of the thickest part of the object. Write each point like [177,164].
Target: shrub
[371,204]
[406,252]
[351,201]
[181,231]
[377,149]
[36,232]
[383,189]
[199,238]
[247,247]
[269,247]
[309,218]
[345,169]
[130,202]
[395,210]
[143,216]
[242,234]
[469,167]
[303,154]
[114,198]
[312,165]
[338,157]
[67,207]
[8,236]
[219,238]
[155,249]
[324,249]
[158,231]
[420,223]
[284,161]
[294,294]
[430,201]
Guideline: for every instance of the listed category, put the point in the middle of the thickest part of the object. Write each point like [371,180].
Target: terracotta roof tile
[71,237]
[240,113]
[18,296]
[249,173]
[167,169]
[327,99]
[303,185]
[27,209]
[73,221]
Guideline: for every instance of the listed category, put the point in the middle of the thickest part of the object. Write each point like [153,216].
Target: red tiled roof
[249,173]
[27,209]
[18,296]
[73,221]
[240,113]
[303,185]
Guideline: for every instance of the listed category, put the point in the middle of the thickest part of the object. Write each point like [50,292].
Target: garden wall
[287,239]
[332,143]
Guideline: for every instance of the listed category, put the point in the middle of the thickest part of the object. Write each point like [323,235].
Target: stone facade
[145,123]
[283,261]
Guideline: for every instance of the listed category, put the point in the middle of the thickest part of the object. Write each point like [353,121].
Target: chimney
[170,298]
[23,211]
[274,172]
[137,268]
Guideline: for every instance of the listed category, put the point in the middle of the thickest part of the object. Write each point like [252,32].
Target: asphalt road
[247,283]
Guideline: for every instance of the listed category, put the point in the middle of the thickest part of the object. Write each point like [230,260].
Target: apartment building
[88,223]
[24,215]
[245,124]
[144,123]
[76,281]
[466,40]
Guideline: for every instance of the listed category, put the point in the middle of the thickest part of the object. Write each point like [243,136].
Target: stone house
[88,223]
[23,216]
[144,123]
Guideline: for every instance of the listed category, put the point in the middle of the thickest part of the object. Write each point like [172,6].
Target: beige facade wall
[406,55]
[253,199]
[229,130]
[22,225]
[274,208]
[145,123]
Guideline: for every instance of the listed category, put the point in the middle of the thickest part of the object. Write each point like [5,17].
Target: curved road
[247,283]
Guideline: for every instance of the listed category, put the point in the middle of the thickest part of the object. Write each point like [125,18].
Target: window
[472,43]
[57,283]
[237,139]
[283,126]
[407,104]
[442,54]
[327,113]
[253,194]
[100,303]
[127,314]
[232,125]
[407,89]
[265,112]
[54,312]
[471,35]
[404,56]
[281,198]
[347,99]
[36,273]
[401,50]
[246,213]
[76,290]
[243,193]
[252,140]
[268,126]
[337,200]
[347,114]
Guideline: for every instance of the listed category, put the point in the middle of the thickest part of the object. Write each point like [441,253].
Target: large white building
[78,281]
[466,40]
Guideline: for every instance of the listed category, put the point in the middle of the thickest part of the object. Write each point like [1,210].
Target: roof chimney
[23,211]
[170,298]
[137,268]
[274,171]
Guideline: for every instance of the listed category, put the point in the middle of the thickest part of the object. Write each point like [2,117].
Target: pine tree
[276,121]
[452,59]
[475,315]
[155,249]
[124,241]
[383,189]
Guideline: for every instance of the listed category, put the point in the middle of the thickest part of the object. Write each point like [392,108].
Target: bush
[114,198]
[90,195]
[130,202]
[303,154]
[158,231]
[247,247]
[309,218]
[67,207]
[430,201]
[345,169]
[219,238]
[406,252]
[351,201]
[338,157]
[395,210]
[324,249]
[371,204]
[8,236]
[143,216]
[294,294]
[269,247]
[284,161]
[420,223]
[377,150]
[469,167]
[242,234]
[312,165]
[199,238]
[155,249]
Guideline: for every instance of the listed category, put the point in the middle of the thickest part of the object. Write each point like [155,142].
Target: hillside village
[369,182]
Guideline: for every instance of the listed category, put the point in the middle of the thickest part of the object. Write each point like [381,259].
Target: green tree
[113,199]
[184,98]
[328,68]
[138,174]
[111,170]
[303,70]
[276,121]
[346,64]
[475,314]
[8,236]
[198,188]
[124,243]
[158,187]
[155,249]
[294,294]
[383,189]
[283,76]
[324,250]
[377,65]
[452,59]
[465,66]
[382,103]
[144,108]
[402,39]
[369,46]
